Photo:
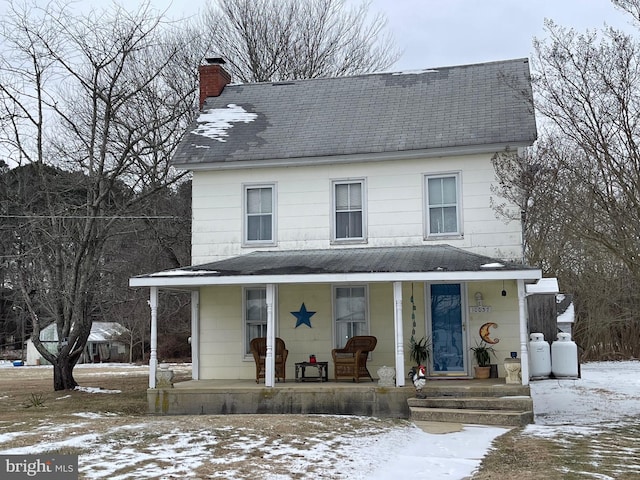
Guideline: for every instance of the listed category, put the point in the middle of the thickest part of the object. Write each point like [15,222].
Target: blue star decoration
[303,316]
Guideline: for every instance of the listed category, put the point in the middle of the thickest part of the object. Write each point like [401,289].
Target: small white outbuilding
[103,344]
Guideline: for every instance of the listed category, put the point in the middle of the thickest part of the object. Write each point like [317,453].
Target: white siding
[395,207]
[221,334]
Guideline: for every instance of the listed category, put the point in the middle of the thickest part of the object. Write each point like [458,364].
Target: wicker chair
[259,350]
[351,361]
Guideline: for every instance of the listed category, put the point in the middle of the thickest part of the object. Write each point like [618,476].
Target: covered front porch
[390,278]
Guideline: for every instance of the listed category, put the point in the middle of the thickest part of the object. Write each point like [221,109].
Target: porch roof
[370,264]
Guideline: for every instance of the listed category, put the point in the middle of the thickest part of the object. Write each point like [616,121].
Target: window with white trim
[255,315]
[350,312]
[443,205]
[259,213]
[348,210]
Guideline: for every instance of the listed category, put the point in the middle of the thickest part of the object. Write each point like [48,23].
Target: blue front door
[447,329]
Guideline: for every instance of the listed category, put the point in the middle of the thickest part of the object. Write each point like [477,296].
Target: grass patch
[609,453]
[68,451]
[516,456]
[35,400]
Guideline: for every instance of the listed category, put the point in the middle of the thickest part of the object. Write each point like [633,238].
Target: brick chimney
[213,78]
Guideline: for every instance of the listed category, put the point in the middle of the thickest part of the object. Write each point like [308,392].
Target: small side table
[322,376]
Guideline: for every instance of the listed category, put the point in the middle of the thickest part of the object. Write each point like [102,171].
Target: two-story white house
[334,207]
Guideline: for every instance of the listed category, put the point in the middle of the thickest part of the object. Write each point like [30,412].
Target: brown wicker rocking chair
[259,350]
[351,361]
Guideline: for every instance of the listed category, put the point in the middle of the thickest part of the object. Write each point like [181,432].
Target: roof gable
[485,104]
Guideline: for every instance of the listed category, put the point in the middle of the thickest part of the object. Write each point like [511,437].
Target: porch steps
[476,403]
[484,404]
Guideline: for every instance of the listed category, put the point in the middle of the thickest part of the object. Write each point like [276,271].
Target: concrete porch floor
[220,397]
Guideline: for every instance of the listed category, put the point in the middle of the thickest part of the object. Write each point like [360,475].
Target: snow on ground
[593,421]
[96,390]
[608,393]
[415,454]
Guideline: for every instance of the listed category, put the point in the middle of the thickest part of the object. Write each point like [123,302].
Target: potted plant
[420,351]
[482,353]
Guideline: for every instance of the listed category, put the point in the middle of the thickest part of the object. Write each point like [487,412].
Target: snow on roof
[568,316]
[104,331]
[178,272]
[414,72]
[215,123]
[544,285]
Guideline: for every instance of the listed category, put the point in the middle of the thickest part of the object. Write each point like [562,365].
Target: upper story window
[348,210]
[259,213]
[443,205]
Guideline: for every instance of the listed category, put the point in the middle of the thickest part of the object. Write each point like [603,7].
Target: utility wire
[102,217]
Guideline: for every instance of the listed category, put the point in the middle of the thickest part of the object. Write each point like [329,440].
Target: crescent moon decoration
[485,335]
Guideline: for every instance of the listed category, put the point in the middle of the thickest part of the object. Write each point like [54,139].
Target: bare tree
[588,86]
[272,40]
[605,292]
[105,97]
[579,187]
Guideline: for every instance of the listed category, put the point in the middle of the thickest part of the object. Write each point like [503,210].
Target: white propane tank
[539,357]
[564,354]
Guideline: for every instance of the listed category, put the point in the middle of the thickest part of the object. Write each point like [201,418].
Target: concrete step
[507,418]
[436,388]
[515,403]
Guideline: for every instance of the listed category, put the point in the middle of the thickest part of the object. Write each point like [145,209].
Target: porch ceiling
[371,264]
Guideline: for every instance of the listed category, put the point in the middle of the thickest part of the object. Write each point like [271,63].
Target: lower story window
[350,313]
[255,315]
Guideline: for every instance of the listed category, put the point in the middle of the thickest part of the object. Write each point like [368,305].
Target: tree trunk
[63,375]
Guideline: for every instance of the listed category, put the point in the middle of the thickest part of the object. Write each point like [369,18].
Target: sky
[438,33]
[605,396]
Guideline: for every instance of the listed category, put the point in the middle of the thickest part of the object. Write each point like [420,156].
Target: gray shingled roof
[426,258]
[459,106]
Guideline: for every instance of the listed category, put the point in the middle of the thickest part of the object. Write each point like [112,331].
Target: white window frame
[363,211]
[246,352]
[339,342]
[245,215]
[458,205]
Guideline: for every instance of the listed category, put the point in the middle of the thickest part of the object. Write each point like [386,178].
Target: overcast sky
[437,33]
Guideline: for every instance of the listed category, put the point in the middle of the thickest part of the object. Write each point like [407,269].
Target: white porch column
[195,335]
[399,334]
[524,341]
[269,362]
[153,358]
